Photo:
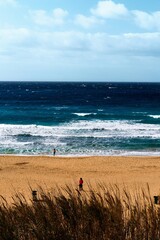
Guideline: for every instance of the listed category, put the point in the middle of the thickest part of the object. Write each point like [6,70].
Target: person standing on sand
[80,184]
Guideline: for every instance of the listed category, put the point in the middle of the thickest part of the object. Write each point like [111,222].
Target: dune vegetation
[67,213]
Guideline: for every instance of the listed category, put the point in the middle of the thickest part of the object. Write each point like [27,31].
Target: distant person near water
[54,151]
[80,184]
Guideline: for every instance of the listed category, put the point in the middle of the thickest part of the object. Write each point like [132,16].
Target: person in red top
[80,184]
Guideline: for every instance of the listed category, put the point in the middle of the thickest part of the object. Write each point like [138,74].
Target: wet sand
[17,173]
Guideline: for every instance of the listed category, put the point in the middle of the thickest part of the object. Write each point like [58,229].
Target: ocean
[79,119]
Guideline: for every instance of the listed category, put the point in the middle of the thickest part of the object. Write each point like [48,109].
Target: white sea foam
[83,128]
[69,137]
[154,116]
[84,114]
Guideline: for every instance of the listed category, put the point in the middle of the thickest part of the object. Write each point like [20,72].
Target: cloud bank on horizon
[66,41]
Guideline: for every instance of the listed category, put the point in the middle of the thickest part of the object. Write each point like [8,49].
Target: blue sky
[66,40]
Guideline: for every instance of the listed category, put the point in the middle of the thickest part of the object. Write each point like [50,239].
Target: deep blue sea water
[79,118]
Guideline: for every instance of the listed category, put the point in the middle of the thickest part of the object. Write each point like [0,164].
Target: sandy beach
[18,172]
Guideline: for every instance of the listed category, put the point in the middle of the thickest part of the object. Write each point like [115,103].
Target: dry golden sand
[18,172]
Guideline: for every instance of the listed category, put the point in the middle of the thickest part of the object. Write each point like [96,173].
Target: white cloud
[86,22]
[104,9]
[66,55]
[146,20]
[41,17]
[98,44]
[13,36]
[8,2]
[109,9]
[140,44]
[59,16]
[64,41]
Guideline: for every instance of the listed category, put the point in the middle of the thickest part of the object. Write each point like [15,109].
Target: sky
[85,40]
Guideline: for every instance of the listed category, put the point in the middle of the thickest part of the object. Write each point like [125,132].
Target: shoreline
[126,154]
[18,172]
